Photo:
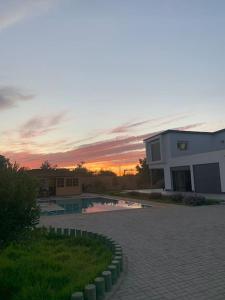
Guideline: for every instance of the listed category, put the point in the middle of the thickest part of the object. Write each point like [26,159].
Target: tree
[81,169]
[18,208]
[143,173]
[4,163]
[142,168]
[106,172]
[46,165]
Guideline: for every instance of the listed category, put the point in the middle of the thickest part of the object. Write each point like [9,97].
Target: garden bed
[50,266]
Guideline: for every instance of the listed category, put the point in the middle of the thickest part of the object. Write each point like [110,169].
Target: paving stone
[174,252]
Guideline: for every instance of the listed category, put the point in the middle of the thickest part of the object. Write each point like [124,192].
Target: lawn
[44,267]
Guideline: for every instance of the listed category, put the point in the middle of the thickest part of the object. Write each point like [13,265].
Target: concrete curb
[114,273]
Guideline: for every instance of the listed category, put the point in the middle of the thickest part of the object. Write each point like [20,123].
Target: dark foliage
[143,174]
[177,198]
[18,208]
[155,196]
[195,200]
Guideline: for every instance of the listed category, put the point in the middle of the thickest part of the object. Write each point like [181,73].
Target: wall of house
[202,158]
[202,149]
[219,141]
[197,143]
[68,190]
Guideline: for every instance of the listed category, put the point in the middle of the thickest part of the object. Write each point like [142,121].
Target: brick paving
[174,252]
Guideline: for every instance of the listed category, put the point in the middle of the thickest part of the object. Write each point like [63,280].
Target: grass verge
[50,267]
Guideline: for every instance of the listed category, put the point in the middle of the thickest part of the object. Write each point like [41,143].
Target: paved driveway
[174,252]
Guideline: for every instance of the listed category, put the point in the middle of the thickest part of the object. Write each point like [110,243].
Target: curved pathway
[174,252]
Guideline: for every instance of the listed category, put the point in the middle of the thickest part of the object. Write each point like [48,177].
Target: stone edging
[102,287]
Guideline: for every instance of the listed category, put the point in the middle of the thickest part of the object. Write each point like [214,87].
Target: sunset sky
[88,80]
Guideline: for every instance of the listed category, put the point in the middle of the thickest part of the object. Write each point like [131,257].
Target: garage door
[207,178]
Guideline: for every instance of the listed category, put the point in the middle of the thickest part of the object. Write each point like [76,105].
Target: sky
[88,80]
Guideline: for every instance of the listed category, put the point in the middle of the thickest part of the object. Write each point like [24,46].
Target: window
[69,181]
[72,182]
[60,182]
[182,145]
[155,151]
[75,182]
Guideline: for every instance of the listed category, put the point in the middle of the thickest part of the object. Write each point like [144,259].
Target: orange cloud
[114,153]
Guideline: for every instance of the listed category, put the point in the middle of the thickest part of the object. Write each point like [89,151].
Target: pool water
[85,205]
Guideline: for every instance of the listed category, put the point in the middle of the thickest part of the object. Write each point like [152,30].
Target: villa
[188,160]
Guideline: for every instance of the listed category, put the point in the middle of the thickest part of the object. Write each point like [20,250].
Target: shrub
[177,198]
[18,208]
[155,196]
[195,200]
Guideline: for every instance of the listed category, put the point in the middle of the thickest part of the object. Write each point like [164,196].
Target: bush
[155,196]
[195,200]
[177,198]
[18,208]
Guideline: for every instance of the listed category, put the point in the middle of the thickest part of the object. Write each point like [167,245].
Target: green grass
[49,267]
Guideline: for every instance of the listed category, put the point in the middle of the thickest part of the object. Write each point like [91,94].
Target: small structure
[59,182]
[188,160]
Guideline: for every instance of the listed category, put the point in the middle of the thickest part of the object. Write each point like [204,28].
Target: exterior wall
[203,158]
[219,140]
[68,190]
[202,149]
[197,143]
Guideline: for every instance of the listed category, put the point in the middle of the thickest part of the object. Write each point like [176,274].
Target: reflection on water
[86,205]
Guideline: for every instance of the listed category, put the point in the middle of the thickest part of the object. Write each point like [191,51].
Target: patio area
[174,252]
[163,192]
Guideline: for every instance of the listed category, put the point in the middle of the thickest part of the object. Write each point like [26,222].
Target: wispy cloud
[154,123]
[41,125]
[114,152]
[11,96]
[192,126]
[127,126]
[13,11]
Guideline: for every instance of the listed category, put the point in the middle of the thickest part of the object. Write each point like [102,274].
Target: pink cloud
[117,151]
[41,125]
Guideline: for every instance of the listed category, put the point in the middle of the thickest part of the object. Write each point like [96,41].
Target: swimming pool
[85,205]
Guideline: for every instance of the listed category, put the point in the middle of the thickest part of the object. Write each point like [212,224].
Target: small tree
[81,169]
[143,173]
[18,208]
[106,172]
[46,165]
[4,163]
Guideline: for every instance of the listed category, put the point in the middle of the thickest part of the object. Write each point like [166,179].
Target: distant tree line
[142,175]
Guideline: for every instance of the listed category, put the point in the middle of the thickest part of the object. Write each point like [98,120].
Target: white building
[188,160]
